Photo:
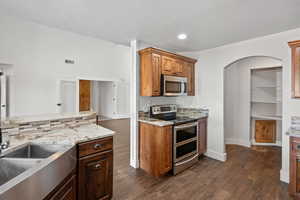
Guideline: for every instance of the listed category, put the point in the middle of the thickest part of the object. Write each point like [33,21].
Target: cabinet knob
[97,166]
[97,146]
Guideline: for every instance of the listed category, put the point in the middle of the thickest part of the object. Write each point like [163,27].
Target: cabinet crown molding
[294,43]
[166,53]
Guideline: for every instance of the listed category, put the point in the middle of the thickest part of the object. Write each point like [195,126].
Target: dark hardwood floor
[248,174]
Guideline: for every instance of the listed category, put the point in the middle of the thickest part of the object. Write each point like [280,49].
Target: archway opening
[252,102]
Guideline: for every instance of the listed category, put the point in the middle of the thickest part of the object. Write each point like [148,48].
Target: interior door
[84,95]
[67,96]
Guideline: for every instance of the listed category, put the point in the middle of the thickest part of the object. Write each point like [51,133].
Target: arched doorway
[240,105]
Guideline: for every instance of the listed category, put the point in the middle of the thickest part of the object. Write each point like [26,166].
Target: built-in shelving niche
[266,97]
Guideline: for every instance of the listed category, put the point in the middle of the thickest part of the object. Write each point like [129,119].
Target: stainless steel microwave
[174,86]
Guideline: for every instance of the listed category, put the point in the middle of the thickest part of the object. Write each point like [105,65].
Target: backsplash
[145,102]
[45,123]
[181,102]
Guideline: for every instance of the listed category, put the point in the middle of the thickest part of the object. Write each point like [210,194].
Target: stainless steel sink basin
[10,168]
[34,151]
[34,166]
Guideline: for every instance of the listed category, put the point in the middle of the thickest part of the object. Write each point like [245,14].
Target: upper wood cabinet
[171,66]
[156,62]
[295,46]
[189,72]
[150,73]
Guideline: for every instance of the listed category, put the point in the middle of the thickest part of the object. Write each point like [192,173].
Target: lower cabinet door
[265,131]
[202,144]
[95,176]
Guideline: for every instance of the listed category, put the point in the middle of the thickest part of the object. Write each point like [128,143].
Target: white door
[3,96]
[67,97]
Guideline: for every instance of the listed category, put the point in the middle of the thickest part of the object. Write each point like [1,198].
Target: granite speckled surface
[293,133]
[65,136]
[155,122]
[182,112]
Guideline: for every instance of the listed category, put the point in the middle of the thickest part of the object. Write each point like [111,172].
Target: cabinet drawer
[95,146]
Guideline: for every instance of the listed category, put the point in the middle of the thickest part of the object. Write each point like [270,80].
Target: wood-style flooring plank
[248,174]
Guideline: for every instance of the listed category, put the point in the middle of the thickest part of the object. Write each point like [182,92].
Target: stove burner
[180,120]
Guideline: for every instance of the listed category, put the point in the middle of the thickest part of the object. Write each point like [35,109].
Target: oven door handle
[186,161]
[186,126]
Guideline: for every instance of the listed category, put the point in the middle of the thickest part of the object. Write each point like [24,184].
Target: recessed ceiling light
[182,36]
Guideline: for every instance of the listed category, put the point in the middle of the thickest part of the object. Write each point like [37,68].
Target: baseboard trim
[238,142]
[216,155]
[284,176]
[121,116]
[134,163]
[278,143]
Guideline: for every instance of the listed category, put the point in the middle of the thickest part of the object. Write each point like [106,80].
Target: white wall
[237,98]
[210,69]
[37,54]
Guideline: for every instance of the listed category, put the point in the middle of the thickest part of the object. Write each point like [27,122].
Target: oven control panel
[160,109]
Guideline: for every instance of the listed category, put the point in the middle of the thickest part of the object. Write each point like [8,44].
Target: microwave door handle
[182,87]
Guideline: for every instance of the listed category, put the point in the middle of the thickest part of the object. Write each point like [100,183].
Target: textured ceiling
[208,23]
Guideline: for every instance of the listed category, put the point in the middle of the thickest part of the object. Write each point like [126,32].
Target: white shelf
[266,86]
[270,117]
[271,102]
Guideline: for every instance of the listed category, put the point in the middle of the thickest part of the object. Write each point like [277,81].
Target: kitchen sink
[34,151]
[27,166]
[10,168]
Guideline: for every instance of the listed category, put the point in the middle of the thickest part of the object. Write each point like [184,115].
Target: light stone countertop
[293,133]
[155,122]
[65,136]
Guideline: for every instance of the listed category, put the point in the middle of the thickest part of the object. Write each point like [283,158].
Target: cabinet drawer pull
[97,166]
[97,146]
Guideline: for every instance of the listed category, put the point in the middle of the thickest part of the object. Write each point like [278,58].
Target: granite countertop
[66,136]
[157,122]
[293,133]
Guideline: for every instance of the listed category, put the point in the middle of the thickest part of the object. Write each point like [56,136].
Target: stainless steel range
[185,136]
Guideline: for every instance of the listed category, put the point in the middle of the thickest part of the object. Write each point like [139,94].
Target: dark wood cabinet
[65,191]
[95,176]
[95,169]
[155,62]
[202,123]
[295,47]
[155,148]
[294,186]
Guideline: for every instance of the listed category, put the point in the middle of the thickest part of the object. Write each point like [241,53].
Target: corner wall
[37,54]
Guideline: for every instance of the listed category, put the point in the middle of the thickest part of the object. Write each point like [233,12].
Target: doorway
[252,112]
[252,93]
